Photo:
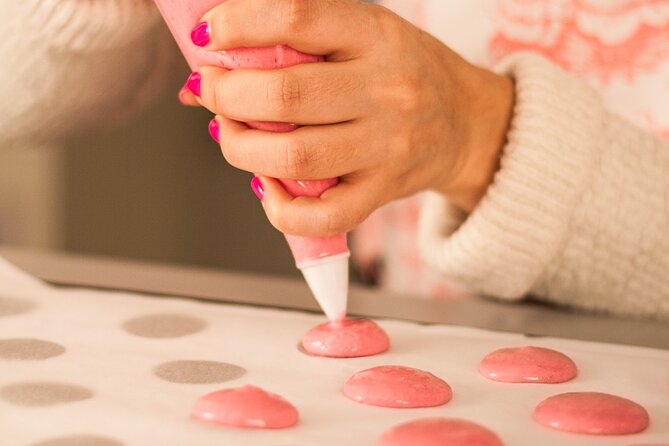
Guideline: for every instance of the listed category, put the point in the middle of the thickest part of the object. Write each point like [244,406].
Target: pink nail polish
[214,130]
[200,34]
[256,185]
[194,83]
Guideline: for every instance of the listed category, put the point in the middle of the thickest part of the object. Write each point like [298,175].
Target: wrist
[485,110]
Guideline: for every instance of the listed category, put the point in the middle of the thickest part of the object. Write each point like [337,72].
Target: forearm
[486,107]
[576,213]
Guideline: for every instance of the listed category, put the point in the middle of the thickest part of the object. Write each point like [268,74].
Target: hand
[391,112]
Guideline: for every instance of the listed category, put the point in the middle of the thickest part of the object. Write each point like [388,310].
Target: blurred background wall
[155,188]
[32,196]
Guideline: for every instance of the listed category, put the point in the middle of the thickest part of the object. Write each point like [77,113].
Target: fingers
[305,94]
[311,26]
[186,97]
[338,210]
[306,153]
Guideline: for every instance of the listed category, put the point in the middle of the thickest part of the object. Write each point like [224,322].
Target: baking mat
[101,366]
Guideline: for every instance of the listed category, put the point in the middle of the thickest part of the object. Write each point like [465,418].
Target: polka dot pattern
[79,440]
[29,349]
[164,325]
[38,394]
[198,372]
[10,306]
[92,368]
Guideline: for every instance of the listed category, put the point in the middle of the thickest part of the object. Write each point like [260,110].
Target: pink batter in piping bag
[322,260]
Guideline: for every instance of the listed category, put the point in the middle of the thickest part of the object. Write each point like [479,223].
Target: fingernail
[214,129]
[193,83]
[256,185]
[200,34]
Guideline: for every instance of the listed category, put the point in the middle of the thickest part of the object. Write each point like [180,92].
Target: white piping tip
[328,281]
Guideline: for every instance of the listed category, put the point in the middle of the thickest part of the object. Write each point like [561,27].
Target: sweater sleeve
[69,65]
[578,213]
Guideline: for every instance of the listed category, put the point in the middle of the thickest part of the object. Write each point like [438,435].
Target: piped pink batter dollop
[591,413]
[397,386]
[348,338]
[248,406]
[439,432]
[528,365]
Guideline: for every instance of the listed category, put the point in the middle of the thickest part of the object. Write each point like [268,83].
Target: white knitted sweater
[68,65]
[578,213]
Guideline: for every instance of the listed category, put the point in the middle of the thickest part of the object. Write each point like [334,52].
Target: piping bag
[322,260]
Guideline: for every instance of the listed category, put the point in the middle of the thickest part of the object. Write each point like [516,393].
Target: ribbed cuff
[503,247]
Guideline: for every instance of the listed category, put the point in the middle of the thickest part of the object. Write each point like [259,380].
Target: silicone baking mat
[110,368]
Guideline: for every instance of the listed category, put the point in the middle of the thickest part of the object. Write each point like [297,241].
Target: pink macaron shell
[591,413]
[397,386]
[439,432]
[246,407]
[349,338]
[528,365]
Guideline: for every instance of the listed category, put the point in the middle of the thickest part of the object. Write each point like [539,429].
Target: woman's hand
[392,112]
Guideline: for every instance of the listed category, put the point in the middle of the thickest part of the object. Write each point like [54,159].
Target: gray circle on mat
[10,306]
[29,349]
[198,372]
[163,325]
[43,393]
[80,440]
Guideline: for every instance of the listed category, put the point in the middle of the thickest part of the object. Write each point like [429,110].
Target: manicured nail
[214,129]
[256,185]
[194,82]
[200,34]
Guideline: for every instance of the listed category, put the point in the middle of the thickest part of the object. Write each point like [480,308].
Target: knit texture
[69,65]
[578,213]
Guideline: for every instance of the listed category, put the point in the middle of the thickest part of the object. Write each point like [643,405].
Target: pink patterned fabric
[620,47]
[590,38]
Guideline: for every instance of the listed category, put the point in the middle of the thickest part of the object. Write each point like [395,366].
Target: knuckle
[401,93]
[407,95]
[294,15]
[295,158]
[400,141]
[400,147]
[284,94]
[404,89]
[388,24]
